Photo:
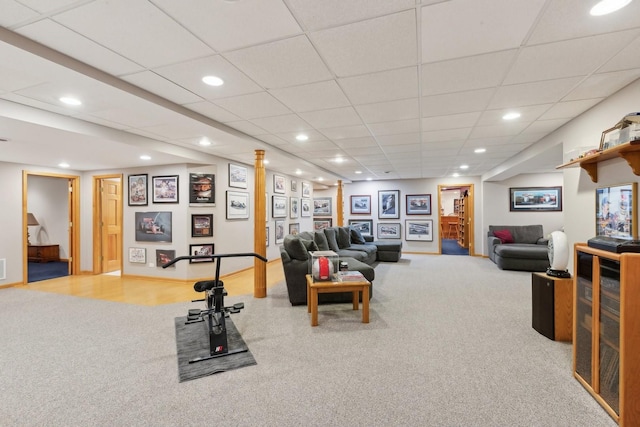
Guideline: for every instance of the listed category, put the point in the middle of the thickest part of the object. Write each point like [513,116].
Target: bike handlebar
[212,257]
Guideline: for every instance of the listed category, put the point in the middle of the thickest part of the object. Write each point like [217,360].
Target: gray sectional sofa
[518,247]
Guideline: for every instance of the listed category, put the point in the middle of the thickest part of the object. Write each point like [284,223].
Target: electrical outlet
[151,265]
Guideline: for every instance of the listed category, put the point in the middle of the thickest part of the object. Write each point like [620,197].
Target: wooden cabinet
[463,221]
[552,306]
[606,351]
[43,253]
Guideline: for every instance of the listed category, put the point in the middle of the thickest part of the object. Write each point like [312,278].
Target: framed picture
[138,255]
[294,186]
[202,225]
[202,189]
[138,193]
[389,204]
[237,176]
[279,231]
[418,204]
[237,205]
[418,230]
[611,137]
[389,230]
[305,207]
[322,206]
[279,206]
[616,211]
[537,199]
[294,228]
[204,249]
[163,256]
[267,234]
[306,189]
[278,184]
[294,210]
[364,226]
[361,205]
[165,189]
[321,224]
[153,226]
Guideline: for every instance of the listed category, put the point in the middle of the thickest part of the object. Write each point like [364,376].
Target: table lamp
[31,220]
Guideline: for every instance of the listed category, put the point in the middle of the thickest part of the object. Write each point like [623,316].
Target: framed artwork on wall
[165,189]
[153,226]
[536,199]
[138,255]
[616,214]
[418,230]
[138,193]
[364,226]
[237,176]
[279,231]
[294,186]
[201,250]
[202,225]
[305,207]
[294,228]
[418,204]
[322,206]
[389,204]
[267,233]
[293,209]
[279,206]
[278,184]
[361,204]
[202,189]
[237,204]
[389,230]
[163,256]
[306,189]
[321,223]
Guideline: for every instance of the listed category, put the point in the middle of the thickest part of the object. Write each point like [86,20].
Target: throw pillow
[344,240]
[357,237]
[321,240]
[295,248]
[309,245]
[332,238]
[504,236]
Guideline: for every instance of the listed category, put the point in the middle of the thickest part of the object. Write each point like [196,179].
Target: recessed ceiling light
[265,161]
[464,166]
[320,179]
[204,142]
[70,100]
[63,165]
[369,179]
[298,172]
[213,80]
[145,157]
[339,160]
[511,116]
[358,172]
[480,150]
[605,7]
[455,175]
[302,137]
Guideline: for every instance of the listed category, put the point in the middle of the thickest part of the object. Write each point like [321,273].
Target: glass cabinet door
[609,318]
[584,316]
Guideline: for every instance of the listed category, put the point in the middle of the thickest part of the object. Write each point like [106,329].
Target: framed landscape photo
[202,189]
[322,206]
[616,214]
[418,204]
[294,209]
[202,225]
[279,206]
[389,204]
[389,230]
[278,184]
[306,189]
[361,205]
[199,250]
[279,231]
[364,226]
[305,207]
[237,176]
[153,226]
[538,199]
[321,223]
[237,204]
[418,230]
[138,193]
[138,255]
[165,189]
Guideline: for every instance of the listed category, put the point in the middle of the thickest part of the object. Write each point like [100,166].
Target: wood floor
[148,291]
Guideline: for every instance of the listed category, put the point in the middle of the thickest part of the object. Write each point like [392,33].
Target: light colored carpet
[450,343]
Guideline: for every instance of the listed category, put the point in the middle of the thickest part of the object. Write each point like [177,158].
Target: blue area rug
[451,247]
[47,270]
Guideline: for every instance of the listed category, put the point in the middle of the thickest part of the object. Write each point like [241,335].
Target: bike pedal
[238,306]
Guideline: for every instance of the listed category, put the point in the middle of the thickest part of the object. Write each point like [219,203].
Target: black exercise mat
[192,341]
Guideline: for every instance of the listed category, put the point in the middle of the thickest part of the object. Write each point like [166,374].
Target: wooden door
[111,245]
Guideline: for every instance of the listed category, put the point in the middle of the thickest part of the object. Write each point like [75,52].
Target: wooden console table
[313,289]
[43,253]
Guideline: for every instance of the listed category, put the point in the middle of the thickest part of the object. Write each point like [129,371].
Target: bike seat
[205,285]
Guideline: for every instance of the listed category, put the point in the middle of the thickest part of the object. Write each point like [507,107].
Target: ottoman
[388,251]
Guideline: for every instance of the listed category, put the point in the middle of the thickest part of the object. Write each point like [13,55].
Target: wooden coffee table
[313,289]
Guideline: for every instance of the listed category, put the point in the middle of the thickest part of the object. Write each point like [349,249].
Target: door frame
[97,214]
[74,220]
[472,251]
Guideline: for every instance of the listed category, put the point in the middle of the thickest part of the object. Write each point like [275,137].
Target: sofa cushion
[523,251]
[356,236]
[321,240]
[521,233]
[295,247]
[332,239]
[504,235]
[344,239]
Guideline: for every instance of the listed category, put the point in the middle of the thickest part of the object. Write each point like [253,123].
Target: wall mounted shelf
[630,151]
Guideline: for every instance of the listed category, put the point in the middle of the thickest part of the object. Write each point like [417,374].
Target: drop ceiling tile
[253,106]
[569,109]
[566,58]
[212,111]
[456,103]
[404,138]
[396,151]
[314,96]
[114,24]
[342,132]
[382,86]
[532,93]
[356,142]
[453,121]
[44,6]
[246,127]
[463,74]
[159,85]
[374,45]
[273,140]
[389,111]
[284,63]
[392,128]
[510,129]
[282,124]
[628,58]
[345,116]
[446,135]
[478,27]
[527,115]
[313,136]
[14,13]
[545,126]
[602,85]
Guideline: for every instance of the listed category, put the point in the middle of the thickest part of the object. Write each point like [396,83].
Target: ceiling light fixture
[455,175]
[480,150]
[265,161]
[320,179]
[298,172]
[63,165]
[369,179]
[145,157]
[605,7]
[213,80]
[511,116]
[339,160]
[464,166]
[358,172]
[69,100]
[302,137]
[204,142]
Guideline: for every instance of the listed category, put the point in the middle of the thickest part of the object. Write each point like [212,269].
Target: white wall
[447,198]
[48,201]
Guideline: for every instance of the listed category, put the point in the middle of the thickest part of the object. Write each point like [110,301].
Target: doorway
[51,215]
[107,224]
[455,204]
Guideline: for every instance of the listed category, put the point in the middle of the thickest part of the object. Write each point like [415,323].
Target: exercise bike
[215,312]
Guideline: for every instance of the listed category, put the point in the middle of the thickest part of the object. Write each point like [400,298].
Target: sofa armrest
[543,241]
[491,242]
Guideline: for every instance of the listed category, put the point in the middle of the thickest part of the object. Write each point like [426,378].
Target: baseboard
[11,285]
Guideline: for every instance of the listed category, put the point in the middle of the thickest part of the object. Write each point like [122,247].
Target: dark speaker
[542,294]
